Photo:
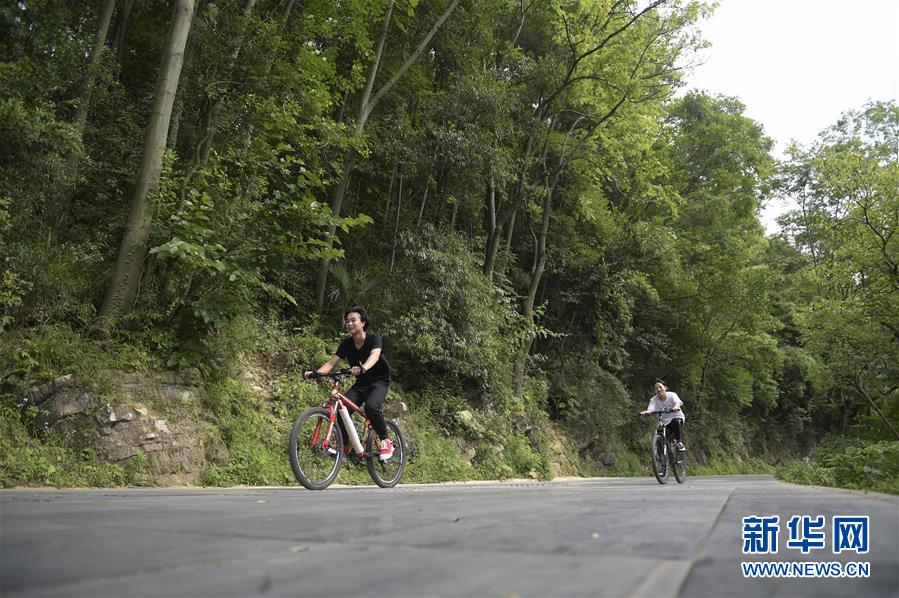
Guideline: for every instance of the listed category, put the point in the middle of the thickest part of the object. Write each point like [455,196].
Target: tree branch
[369,106]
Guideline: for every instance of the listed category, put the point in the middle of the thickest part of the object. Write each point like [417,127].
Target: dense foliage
[538,220]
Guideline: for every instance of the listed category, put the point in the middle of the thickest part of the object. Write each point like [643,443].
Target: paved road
[598,537]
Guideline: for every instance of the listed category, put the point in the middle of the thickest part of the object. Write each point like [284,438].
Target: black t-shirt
[379,372]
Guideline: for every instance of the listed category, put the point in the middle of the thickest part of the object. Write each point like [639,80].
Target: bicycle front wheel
[386,474]
[659,460]
[315,455]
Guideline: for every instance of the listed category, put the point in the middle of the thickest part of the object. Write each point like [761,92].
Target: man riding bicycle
[674,422]
[364,351]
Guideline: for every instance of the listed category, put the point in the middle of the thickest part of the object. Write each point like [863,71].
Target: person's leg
[674,430]
[374,404]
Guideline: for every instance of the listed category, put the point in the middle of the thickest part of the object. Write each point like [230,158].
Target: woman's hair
[363,315]
[660,381]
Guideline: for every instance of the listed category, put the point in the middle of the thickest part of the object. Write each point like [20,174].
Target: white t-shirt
[657,404]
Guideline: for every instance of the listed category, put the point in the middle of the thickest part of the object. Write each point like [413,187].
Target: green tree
[846,188]
[130,261]
[367,103]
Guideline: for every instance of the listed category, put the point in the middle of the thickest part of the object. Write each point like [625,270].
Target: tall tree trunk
[452,224]
[285,16]
[340,189]
[336,204]
[386,219]
[505,221]
[84,101]
[213,110]
[510,229]
[216,107]
[123,288]
[354,209]
[366,106]
[90,77]
[860,387]
[190,50]
[424,201]
[121,29]
[539,263]
[537,269]
[507,215]
[210,126]
[396,226]
[492,230]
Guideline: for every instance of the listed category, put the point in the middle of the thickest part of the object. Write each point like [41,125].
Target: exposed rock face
[472,425]
[155,420]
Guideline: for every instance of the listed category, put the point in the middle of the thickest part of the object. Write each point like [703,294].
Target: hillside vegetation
[538,217]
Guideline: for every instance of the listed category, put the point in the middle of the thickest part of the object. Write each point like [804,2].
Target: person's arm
[369,363]
[649,409]
[326,367]
[677,402]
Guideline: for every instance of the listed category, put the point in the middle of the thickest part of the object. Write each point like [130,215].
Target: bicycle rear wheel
[386,474]
[659,460]
[679,464]
[314,466]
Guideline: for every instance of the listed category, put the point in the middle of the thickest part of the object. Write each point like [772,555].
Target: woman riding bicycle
[664,399]
[364,351]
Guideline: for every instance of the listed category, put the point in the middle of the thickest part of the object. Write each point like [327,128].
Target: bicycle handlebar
[335,375]
[660,411]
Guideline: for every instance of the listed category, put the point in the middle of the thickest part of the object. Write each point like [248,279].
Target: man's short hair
[363,315]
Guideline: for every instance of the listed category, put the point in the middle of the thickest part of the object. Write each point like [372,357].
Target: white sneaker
[386,449]
[333,451]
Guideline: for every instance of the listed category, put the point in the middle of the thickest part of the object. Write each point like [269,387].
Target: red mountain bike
[316,444]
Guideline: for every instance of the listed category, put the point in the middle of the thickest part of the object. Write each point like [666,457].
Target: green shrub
[33,356]
[849,463]
[449,319]
[524,460]
[806,473]
[874,466]
[433,457]
[490,464]
[255,437]
[629,465]
[732,467]
[26,462]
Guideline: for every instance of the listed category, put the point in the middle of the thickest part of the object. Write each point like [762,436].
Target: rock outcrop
[156,422]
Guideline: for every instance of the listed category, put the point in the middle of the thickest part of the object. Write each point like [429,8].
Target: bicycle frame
[339,403]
